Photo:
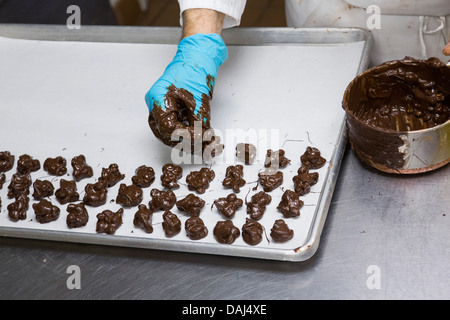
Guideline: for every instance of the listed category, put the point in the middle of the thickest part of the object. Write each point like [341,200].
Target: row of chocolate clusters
[95,195]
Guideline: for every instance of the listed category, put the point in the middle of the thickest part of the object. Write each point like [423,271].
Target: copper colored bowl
[390,150]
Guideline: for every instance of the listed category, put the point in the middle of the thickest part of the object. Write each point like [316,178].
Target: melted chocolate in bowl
[398,115]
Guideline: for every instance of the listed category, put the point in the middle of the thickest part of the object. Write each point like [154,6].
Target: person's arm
[202,21]
[446,50]
[181,96]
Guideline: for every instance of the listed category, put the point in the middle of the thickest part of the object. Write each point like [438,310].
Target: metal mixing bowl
[401,152]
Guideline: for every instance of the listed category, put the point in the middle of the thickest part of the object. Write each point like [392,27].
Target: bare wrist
[202,21]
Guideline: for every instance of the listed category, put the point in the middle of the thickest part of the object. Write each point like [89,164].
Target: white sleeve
[233,9]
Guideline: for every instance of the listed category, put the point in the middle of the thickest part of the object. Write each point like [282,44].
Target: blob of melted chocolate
[252,232]
[270,179]
[143,218]
[17,210]
[312,158]
[191,204]
[280,231]
[234,178]
[20,184]
[195,228]
[67,192]
[143,176]
[276,159]
[108,221]
[171,224]
[95,194]
[26,164]
[162,200]
[228,205]
[56,166]
[179,115]
[129,196]
[45,211]
[6,161]
[170,176]
[78,215]
[199,180]
[81,169]
[226,232]
[290,204]
[257,206]
[42,189]
[304,180]
[111,175]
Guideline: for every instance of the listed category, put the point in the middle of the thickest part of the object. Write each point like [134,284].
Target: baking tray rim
[234,36]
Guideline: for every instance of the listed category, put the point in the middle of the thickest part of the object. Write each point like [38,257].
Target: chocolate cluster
[304,180]
[195,228]
[162,200]
[77,215]
[143,176]
[17,210]
[312,158]
[42,189]
[20,184]
[226,232]
[199,180]
[45,211]
[170,176]
[281,232]
[191,204]
[228,205]
[95,193]
[276,159]
[143,218]
[6,161]
[171,224]
[56,166]
[26,164]
[257,205]
[81,169]
[109,221]
[270,179]
[111,175]
[252,232]
[290,204]
[234,178]
[67,192]
[129,196]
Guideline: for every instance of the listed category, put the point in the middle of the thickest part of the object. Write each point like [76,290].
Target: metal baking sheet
[71,92]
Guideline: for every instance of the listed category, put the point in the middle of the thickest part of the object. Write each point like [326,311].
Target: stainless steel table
[386,237]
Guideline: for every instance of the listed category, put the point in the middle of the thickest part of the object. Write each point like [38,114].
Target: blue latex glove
[182,94]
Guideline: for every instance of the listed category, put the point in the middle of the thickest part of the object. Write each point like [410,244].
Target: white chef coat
[417,28]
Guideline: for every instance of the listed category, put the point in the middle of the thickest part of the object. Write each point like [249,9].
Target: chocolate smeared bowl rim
[397,137]
[350,113]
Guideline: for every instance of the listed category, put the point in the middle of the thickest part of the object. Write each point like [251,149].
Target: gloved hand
[182,94]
